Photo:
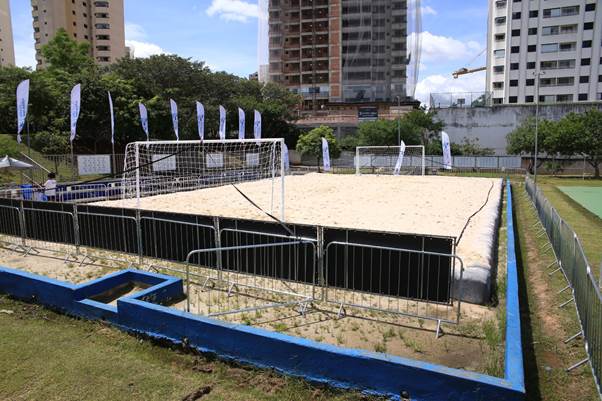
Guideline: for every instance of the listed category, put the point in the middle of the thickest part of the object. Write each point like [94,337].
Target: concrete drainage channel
[145,310]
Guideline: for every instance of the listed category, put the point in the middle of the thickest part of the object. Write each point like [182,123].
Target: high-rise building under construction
[341,51]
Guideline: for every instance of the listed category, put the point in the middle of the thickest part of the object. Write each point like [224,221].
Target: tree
[310,143]
[426,123]
[589,141]
[64,53]
[384,133]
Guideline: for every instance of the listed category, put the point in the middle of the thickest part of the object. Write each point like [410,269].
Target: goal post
[162,167]
[388,160]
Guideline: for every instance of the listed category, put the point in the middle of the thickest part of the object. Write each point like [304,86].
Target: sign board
[94,164]
[252,159]
[164,163]
[367,113]
[215,160]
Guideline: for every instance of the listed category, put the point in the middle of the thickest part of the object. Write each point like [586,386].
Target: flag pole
[72,164]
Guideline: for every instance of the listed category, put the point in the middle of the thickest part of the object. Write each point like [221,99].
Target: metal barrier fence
[393,273]
[572,262]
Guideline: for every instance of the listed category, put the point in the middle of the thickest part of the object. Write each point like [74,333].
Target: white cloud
[428,10]
[144,49]
[447,84]
[135,39]
[233,10]
[443,48]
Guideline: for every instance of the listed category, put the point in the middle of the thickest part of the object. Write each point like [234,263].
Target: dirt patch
[197,394]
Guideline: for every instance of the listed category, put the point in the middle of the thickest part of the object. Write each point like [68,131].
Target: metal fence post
[76,238]
[22,223]
[321,264]
[139,234]
[218,244]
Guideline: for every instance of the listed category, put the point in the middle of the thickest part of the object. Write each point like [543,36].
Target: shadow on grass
[529,356]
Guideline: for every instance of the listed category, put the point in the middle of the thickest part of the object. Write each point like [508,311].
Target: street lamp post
[537,75]
[398,121]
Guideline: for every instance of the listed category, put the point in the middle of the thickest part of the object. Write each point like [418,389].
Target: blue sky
[223,33]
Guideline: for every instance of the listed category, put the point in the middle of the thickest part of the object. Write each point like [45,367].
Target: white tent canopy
[9,162]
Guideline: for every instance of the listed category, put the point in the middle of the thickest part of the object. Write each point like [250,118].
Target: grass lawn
[48,356]
[545,326]
[587,225]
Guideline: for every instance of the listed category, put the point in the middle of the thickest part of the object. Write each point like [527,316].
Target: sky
[223,34]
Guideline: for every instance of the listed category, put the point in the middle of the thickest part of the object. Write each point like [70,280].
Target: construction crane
[467,70]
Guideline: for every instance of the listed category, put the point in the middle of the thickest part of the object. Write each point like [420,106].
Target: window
[564,98]
[559,30]
[513,99]
[599,78]
[531,65]
[567,47]
[533,13]
[498,36]
[532,31]
[516,15]
[497,100]
[560,12]
[500,20]
[549,48]
[103,59]
[586,61]
[103,37]
[586,44]
[500,53]
[515,49]
[514,66]
[101,3]
[500,3]
[513,83]
[582,96]
[498,85]
[588,26]
[529,99]
[560,81]
[516,32]
[530,82]
[102,26]
[590,7]
[584,79]
[103,48]
[532,48]
[498,69]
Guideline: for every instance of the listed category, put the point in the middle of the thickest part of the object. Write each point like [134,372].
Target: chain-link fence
[580,277]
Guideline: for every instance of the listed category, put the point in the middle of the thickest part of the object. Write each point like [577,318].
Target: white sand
[431,205]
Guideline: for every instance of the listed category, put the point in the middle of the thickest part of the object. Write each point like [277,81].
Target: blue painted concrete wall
[341,367]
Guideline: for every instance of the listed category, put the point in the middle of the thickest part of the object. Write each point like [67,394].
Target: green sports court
[588,197]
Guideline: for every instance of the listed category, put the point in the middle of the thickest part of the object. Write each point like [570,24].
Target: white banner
[144,119]
[163,162]
[200,118]
[285,156]
[252,159]
[257,125]
[445,144]
[222,122]
[325,154]
[22,104]
[112,118]
[402,151]
[75,107]
[93,164]
[174,117]
[241,123]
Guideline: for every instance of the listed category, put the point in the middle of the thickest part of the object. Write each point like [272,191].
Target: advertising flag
[144,119]
[200,117]
[257,125]
[447,159]
[241,123]
[285,156]
[75,107]
[22,103]
[174,117]
[402,151]
[325,154]
[112,118]
[222,122]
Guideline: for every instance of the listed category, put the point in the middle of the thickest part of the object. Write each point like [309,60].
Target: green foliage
[152,81]
[574,134]
[8,147]
[310,143]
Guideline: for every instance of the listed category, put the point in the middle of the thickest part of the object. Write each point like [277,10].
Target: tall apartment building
[7,47]
[558,42]
[339,51]
[101,23]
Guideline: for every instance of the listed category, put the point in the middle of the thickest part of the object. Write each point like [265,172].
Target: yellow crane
[467,70]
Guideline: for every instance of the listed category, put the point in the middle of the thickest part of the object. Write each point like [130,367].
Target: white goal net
[162,167]
[389,160]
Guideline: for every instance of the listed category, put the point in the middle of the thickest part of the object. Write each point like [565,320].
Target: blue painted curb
[341,367]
